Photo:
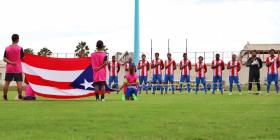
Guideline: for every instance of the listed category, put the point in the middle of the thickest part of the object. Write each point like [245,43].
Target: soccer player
[185,67]
[255,64]
[234,66]
[127,64]
[170,66]
[157,66]
[114,69]
[12,56]
[201,69]
[218,66]
[272,62]
[99,63]
[143,67]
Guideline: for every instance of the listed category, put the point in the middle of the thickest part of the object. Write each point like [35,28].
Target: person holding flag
[170,67]
[114,69]
[201,69]
[272,63]
[234,66]
[157,66]
[218,66]
[99,63]
[143,67]
[185,67]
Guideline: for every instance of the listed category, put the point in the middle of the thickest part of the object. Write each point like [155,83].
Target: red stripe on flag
[40,81]
[64,97]
[56,63]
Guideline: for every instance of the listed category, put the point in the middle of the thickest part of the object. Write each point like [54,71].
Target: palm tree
[82,50]
[28,50]
[45,52]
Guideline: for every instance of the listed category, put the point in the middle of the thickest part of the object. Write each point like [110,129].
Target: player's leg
[204,84]
[102,87]
[154,84]
[166,78]
[230,84]
[276,83]
[96,87]
[116,81]
[269,80]
[250,85]
[257,80]
[188,79]
[146,84]
[18,78]
[141,80]
[236,81]
[134,94]
[197,80]
[8,78]
[128,93]
[215,80]
[182,80]
[220,81]
[171,80]
[111,78]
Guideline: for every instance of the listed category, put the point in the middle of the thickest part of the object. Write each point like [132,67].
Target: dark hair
[217,54]
[169,54]
[272,50]
[157,53]
[15,37]
[254,51]
[143,54]
[200,57]
[184,54]
[99,44]
[113,56]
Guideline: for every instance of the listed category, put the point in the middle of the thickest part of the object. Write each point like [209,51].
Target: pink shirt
[28,91]
[97,59]
[13,53]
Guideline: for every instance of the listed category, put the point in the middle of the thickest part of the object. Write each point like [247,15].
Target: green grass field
[219,117]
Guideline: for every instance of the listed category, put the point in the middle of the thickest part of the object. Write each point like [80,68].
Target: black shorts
[13,77]
[99,84]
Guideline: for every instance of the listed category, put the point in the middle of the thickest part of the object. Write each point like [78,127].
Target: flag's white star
[87,84]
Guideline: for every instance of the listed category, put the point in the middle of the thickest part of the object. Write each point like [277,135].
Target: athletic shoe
[5,97]
[230,93]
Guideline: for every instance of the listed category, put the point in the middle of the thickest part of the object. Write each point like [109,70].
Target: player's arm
[223,65]
[148,66]
[228,65]
[196,68]
[174,65]
[161,65]
[205,68]
[119,67]
[238,66]
[103,65]
[124,84]
[109,67]
[181,65]
[5,59]
[139,66]
[268,64]
[21,54]
[260,62]
[212,66]
[190,65]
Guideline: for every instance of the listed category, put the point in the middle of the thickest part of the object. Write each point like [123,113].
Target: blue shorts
[217,79]
[143,79]
[234,79]
[157,78]
[130,91]
[200,80]
[169,78]
[185,78]
[114,79]
[272,77]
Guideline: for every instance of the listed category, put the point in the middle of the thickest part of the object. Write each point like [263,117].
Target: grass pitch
[218,117]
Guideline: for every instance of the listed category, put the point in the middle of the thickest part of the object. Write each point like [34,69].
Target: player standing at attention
[157,66]
[99,63]
[272,63]
[170,66]
[114,69]
[143,67]
[218,66]
[234,66]
[12,56]
[185,67]
[200,69]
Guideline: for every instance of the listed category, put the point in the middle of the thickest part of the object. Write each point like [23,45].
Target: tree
[45,52]
[28,50]
[82,50]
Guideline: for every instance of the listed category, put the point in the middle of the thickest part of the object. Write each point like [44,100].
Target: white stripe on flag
[58,92]
[52,75]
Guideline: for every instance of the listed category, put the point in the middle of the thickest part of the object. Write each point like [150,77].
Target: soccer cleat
[5,97]
[134,97]
[123,98]
[230,93]
[267,94]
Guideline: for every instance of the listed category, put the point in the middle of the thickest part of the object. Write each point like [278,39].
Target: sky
[209,25]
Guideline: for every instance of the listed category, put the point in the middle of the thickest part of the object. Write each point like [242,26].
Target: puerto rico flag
[62,78]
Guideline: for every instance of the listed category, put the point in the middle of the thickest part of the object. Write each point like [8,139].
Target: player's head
[15,38]
[254,53]
[99,45]
[169,55]
[271,52]
[217,56]
[114,58]
[130,59]
[156,55]
[185,55]
[132,68]
[200,59]
[143,56]
[233,56]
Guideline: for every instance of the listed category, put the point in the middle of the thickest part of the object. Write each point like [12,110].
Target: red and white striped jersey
[273,69]
[170,69]
[157,69]
[113,68]
[218,70]
[202,71]
[144,70]
[234,70]
[187,66]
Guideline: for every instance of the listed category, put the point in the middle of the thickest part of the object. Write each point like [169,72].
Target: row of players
[218,66]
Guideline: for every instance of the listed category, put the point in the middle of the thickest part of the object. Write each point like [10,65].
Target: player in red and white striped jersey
[201,69]
[114,69]
[272,63]
[185,67]
[143,67]
[170,67]
[157,66]
[234,67]
[218,66]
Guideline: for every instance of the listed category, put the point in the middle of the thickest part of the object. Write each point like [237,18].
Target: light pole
[136,33]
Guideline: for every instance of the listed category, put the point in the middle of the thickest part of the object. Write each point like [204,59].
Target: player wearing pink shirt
[99,63]
[12,56]
[272,63]
[234,67]
[143,67]
[170,67]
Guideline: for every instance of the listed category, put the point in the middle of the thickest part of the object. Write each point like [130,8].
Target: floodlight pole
[136,33]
